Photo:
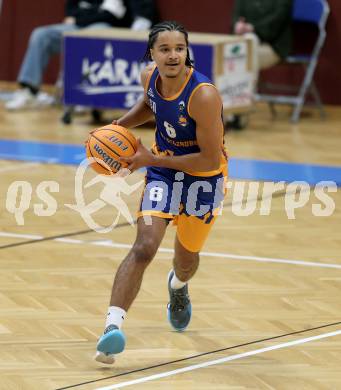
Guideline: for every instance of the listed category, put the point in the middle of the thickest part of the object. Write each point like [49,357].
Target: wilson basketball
[108,144]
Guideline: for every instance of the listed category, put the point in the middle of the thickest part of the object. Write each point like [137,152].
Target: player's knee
[187,262]
[143,253]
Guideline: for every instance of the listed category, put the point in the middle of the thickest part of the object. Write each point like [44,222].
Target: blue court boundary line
[239,168]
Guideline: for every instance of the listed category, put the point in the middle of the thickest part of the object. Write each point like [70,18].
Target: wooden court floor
[266,298]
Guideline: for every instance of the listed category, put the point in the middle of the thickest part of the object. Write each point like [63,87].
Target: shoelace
[179,301]
[110,328]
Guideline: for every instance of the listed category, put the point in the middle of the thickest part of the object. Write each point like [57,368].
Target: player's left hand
[142,158]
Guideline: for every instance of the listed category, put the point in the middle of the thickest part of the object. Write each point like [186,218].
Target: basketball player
[185,175]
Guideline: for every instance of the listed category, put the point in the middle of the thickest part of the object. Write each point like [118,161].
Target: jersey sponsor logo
[182,106]
[184,144]
[152,105]
[182,121]
[150,92]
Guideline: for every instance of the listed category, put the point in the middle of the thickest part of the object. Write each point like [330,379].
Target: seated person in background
[268,24]
[46,41]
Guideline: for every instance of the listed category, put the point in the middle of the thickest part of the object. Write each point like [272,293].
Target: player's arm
[205,109]
[141,112]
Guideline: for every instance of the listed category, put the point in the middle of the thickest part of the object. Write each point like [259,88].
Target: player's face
[169,53]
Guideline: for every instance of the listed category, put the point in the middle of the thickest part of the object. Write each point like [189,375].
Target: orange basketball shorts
[191,202]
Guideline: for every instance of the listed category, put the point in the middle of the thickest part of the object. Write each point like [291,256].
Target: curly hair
[168,25]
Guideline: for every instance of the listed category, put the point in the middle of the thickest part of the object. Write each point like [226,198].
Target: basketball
[108,144]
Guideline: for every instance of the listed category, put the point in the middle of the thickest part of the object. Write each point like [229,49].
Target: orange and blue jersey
[175,132]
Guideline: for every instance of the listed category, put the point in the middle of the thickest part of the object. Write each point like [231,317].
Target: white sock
[176,283]
[115,316]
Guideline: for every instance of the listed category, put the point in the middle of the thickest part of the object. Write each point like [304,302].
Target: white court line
[109,243]
[219,361]
[273,260]
[68,240]
[18,167]
[17,235]
[228,256]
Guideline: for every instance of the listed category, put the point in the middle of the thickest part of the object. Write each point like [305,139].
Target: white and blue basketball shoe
[110,343]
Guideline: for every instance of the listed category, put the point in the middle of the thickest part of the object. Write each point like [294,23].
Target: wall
[19,17]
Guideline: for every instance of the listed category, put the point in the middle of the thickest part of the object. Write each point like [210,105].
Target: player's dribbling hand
[142,158]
